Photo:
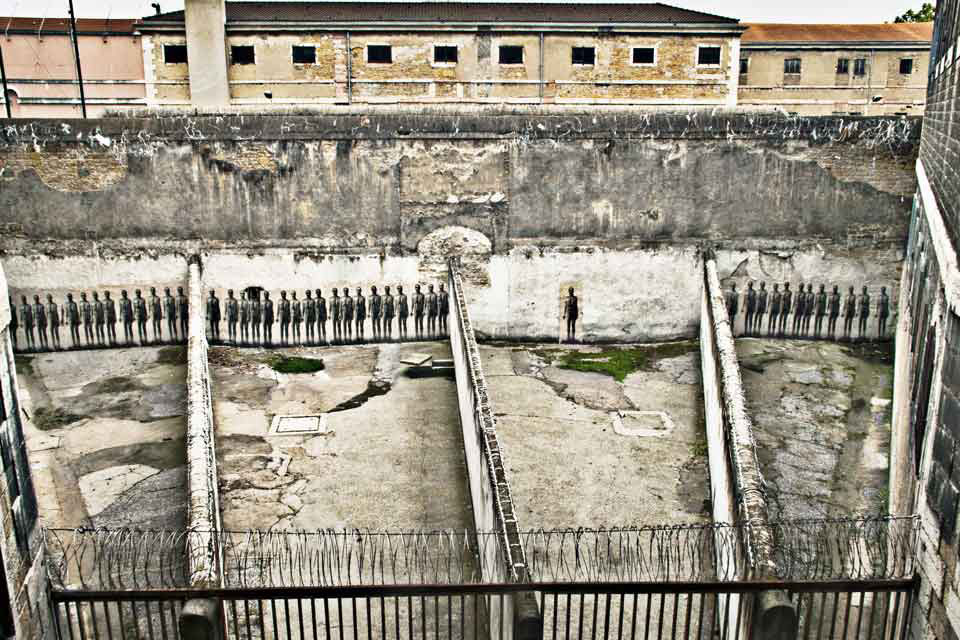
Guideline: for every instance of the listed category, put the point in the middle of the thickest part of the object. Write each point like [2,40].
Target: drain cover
[283,425]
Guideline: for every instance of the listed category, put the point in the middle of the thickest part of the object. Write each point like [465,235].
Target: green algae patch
[46,418]
[295,364]
[618,362]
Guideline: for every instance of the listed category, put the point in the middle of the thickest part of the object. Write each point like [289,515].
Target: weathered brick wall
[349,181]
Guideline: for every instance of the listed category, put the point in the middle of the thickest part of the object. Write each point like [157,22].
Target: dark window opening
[860,67]
[791,65]
[242,54]
[843,65]
[708,55]
[379,54]
[445,53]
[643,55]
[906,66]
[511,54]
[744,65]
[175,53]
[583,55]
[304,55]
[253,293]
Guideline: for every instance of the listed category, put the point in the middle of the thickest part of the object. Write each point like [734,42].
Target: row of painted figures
[254,317]
[807,306]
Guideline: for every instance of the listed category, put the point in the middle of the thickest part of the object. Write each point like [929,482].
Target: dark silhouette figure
[751,305]
[571,312]
[809,306]
[310,316]
[183,312]
[821,311]
[40,319]
[268,319]
[834,312]
[256,317]
[732,300]
[419,307]
[376,313]
[321,317]
[99,318]
[170,312]
[444,302]
[296,316]
[244,318]
[86,314]
[14,322]
[126,316]
[156,315]
[283,310]
[433,309]
[347,308]
[213,315]
[863,304]
[786,305]
[776,299]
[233,316]
[403,312]
[361,314]
[111,312]
[26,319]
[336,312]
[73,317]
[53,318]
[762,299]
[883,312]
[849,311]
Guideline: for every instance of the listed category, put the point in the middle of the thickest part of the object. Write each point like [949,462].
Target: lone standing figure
[571,312]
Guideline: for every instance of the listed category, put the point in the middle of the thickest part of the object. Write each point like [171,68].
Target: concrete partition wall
[503,559]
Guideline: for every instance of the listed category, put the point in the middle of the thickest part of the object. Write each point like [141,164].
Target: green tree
[924,14]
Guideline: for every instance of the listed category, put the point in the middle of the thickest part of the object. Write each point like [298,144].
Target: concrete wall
[675,78]
[820,90]
[535,203]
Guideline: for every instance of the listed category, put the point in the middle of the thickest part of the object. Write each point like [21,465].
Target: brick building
[824,69]
[41,66]
[925,450]
[296,53]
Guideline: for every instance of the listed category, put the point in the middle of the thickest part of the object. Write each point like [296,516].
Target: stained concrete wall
[612,203]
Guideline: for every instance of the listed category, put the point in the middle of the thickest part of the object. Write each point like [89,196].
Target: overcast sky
[746,10]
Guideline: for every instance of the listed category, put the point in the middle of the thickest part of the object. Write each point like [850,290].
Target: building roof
[55,26]
[912,32]
[457,12]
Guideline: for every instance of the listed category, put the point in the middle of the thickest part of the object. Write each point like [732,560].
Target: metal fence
[814,550]
[875,610]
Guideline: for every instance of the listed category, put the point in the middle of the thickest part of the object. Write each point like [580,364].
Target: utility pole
[76,56]
[3,77]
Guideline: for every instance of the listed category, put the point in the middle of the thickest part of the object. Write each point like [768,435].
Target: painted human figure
[336,313]
[389,311]
[110,310]
[244,318]
[809,306]
[26,320]
[732,300]
[296,316]
[849,311]
[126,316]
[821,310]
[883,312]
[863,306]
[86,314]
[99,319]
[283,311]
[40,319]
[140,315]
[750,302]
[256,317]
[376,313]
[834,312]
[776,299]
[321,317]
[419,307]
[183,312]
[310,317]
[156,315]
[232,309]
[444,302]
[347,309]
[72,313]
[762,299]
[14,322]
[799,310]
[360,314]
[213,315]
[267,319]
[170,313]
[403,312]
[53,319]
[433,308]
[786,305]
[571,312]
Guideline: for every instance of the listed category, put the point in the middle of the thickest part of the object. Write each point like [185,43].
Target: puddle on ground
[374,388]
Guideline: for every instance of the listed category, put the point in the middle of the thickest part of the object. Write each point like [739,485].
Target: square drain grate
[291,425]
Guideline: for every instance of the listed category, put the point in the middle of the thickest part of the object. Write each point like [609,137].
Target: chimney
[207,52]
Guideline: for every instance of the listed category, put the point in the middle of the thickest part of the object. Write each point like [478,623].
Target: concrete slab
[391,456]
[821,415]
[105,436]
[568,464]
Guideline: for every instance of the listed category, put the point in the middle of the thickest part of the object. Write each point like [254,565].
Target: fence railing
[814,550]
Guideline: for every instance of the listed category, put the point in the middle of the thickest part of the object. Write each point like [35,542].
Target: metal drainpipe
[541,67]
[3,77]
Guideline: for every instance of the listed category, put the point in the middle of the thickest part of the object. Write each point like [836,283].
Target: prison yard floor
[821,413]
[105,436]
[601,436]
[385,451]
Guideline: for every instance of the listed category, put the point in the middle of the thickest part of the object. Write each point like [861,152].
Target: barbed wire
[817,550]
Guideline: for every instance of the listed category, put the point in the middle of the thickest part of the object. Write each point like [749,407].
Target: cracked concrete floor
[105,435]
[821,413]
[574,462]
[391,458]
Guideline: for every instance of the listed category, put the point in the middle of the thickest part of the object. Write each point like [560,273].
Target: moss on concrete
[172,355]
[46,418]
[295,364]
[618,362]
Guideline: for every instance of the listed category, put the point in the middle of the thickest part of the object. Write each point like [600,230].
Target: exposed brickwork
[74,170]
